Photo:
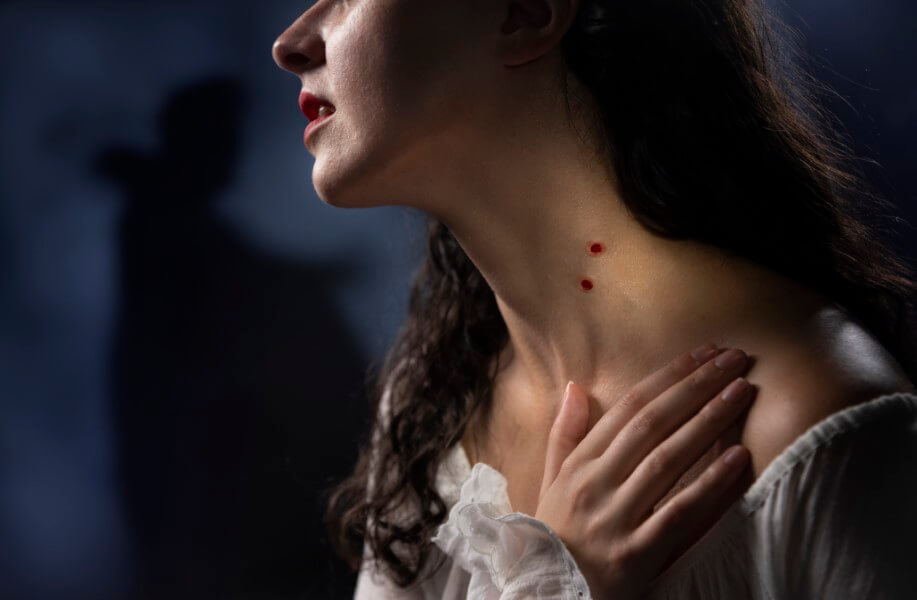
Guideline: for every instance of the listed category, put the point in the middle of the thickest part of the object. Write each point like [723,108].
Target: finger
[655,476]
[664,414]
[727,496]
[686,517]
[653,385]
[566,433]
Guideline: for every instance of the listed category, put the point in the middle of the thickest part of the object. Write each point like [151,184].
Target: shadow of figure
[238,393]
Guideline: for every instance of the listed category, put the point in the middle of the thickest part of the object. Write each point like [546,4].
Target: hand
[600,488]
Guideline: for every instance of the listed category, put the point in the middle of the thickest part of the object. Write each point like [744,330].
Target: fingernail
[736,390]
[704,352]
[567,391]
[730,359]
[735,457]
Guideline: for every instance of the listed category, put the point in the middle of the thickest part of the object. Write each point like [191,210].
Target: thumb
[568,431]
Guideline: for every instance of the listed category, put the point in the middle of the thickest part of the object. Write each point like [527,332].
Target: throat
[516,454]
[522,472]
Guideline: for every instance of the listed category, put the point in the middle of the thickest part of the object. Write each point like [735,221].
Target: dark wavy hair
[717,133]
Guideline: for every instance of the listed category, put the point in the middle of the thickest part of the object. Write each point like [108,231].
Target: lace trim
[509,554]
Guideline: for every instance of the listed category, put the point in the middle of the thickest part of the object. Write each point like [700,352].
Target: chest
[519,455]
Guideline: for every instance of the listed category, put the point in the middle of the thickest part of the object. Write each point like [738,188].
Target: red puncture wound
[595,248]
[585,284]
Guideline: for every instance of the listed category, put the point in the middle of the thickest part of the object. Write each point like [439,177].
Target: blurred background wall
[185,328]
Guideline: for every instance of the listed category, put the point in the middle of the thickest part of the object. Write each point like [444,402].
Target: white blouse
[833,516]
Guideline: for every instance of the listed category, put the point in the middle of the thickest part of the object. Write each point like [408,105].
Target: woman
[610,184]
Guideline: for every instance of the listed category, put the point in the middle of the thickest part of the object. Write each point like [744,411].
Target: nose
[300,47]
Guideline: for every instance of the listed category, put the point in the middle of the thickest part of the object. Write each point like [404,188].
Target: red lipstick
[310,104]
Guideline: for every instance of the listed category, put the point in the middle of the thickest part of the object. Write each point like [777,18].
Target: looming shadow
[238,390]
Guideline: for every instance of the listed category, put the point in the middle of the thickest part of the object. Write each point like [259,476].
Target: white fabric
[833,516]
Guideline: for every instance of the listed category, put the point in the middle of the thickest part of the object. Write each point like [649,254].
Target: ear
[532,28]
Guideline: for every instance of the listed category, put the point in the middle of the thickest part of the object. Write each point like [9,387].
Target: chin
[340,195]
[331,187]
[344,187]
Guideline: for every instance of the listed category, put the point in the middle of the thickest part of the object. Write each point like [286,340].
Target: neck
[537,201]
[650,298]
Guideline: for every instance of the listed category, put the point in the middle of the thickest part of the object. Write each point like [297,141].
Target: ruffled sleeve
[843,520]
[509,554]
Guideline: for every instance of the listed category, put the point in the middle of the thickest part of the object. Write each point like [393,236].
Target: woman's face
[404,76]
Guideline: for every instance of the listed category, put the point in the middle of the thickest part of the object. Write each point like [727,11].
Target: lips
[310,104]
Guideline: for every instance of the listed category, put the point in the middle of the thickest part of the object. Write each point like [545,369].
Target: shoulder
[834,517]
[836,364]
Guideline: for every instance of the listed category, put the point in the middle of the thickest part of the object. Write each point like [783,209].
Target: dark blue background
[185,326]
